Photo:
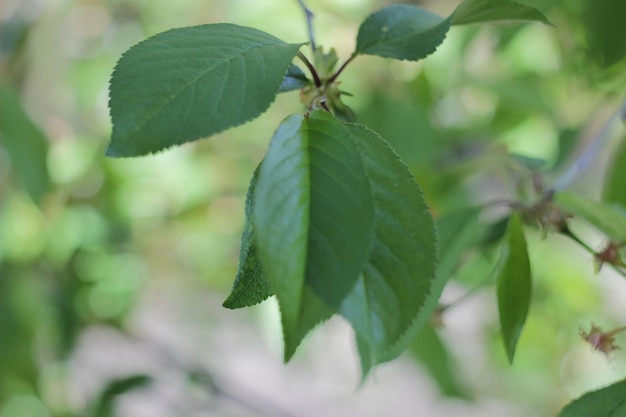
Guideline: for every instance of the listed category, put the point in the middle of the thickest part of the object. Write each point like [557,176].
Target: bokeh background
[113,271]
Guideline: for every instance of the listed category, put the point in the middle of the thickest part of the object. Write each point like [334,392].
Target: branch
[588,156]
[309,22]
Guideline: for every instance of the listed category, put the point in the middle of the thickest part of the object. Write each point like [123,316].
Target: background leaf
[294,79]
[607,219]
[606,402]
[188,83]
[614,189]
[514,285]
[603,22]
[25,144]
[314,217]
[431,352]
[401,266]
[475,11]
[401,32]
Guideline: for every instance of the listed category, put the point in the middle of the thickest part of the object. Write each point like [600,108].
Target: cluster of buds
[325,93]
[601,341]
[544,213]
[609,255]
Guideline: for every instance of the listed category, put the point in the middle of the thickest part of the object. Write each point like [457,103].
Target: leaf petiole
[311,68]
[341,68]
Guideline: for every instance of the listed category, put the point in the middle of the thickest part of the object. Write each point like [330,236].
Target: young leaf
[475,11]
[514,285]
[456,232]
[606,402]
[251,284]
[401,32]
[25,144]
[313,219]
[294,79]
[401,266]
[607,219]
[188,83]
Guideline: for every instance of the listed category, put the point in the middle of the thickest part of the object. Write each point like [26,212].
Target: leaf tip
[112,151]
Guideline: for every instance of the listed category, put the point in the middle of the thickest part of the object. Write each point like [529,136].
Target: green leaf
[251,284]
[614,188]
[606,402]
[475,11]
[401,266]
[456,232]
[401,32]
[294,79]
[313,218]
[603,31]
[188,83]
[25,144]
[514,285]
[325,62]
[432,353]
[610,221]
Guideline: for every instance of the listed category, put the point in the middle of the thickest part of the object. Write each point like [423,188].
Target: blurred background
[113,271]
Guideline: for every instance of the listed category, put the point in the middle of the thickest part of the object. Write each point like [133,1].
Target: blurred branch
[205,379]
[583,162]
[309,23]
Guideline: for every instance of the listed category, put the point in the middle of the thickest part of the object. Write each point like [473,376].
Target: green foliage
[456,233]
[614,190]
[606,43]
[335,222]
[432,353]
[189,83]
[401,32]
[609,220]
[606,402]
[514,285]
[294,79]
[25,144]
[396,279]
[475,11]
[251,284]
[313,217]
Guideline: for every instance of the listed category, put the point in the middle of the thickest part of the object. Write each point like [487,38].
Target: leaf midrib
[400,39]
[159,109]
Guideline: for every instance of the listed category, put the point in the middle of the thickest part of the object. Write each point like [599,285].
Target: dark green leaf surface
[401,266]
[188,83]
[251,285]
[401,32]
[607,219]
[294,79]
[313,217]
[25,144]
[475,11]
[456,232]
[432,353]
[604,31]
[514,285]
[606,402]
